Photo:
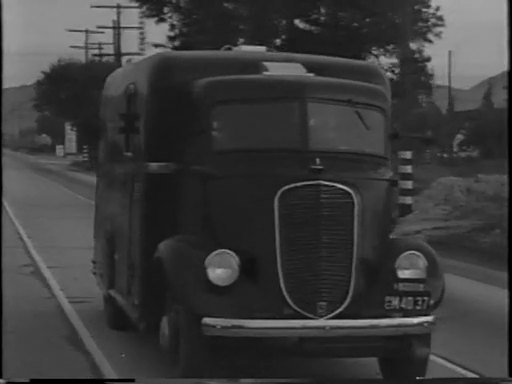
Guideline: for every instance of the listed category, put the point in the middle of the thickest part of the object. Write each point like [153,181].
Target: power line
[86,45]
[117,28]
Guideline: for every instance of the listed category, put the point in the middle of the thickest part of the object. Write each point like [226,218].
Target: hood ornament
[317,165]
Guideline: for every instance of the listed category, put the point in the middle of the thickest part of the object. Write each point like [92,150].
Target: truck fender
[181,263]
[435,275]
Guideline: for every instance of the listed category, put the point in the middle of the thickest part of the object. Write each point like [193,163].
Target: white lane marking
[89,343]
[462,371]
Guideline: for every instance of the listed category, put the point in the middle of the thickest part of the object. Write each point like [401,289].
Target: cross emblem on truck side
[129,118]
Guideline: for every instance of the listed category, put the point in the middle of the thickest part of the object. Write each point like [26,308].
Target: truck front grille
[315,223]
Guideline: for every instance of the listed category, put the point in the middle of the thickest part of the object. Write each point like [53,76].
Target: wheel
[115,316]
[410,362]
[193,347]
[168,334]
[181,337]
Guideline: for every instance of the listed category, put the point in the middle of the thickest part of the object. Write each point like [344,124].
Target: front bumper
[400,326]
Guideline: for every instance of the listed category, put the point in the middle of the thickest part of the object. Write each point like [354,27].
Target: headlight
[411,265]
[222,267]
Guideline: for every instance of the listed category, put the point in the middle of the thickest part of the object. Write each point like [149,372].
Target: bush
[489,134]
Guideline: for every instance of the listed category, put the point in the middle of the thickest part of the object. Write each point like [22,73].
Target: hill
[468,99]
[17,111]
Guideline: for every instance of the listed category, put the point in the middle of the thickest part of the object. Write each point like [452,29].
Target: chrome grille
[315,224]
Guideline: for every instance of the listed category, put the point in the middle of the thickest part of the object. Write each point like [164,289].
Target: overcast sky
[34,36]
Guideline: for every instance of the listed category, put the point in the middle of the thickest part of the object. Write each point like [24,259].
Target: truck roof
[181,67]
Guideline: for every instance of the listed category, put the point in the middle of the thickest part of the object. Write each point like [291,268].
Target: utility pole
[86,45]
[406,56]
[450,107]
[404,102]
[117,27]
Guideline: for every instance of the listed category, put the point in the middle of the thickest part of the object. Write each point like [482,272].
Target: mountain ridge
[18,112]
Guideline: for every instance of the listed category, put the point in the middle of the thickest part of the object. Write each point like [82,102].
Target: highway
[52,307]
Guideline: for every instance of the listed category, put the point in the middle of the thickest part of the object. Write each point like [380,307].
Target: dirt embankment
[468,214]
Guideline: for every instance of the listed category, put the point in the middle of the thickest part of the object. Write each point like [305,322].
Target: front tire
[115,317]
[181,337]
[193,347]
[411,361]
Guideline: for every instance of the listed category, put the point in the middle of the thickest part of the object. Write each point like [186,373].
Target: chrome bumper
[317,328]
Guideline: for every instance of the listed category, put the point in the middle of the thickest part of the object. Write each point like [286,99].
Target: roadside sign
[59,150]
[70,139]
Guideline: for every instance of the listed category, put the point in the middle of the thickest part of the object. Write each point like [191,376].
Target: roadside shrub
[489,134]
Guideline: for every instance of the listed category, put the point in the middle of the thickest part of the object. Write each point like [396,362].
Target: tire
[115,317]
[193,347]
[411,361]
[168,334]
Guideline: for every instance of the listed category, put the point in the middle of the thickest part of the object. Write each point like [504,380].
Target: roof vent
[280,68]
[252,48]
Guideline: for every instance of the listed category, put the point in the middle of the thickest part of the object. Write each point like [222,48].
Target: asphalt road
[55,212]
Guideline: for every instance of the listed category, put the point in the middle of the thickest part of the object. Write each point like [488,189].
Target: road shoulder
[33,322]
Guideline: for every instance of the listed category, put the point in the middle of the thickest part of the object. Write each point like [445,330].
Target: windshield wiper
[361,119]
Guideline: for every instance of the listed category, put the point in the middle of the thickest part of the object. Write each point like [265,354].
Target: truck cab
[251,195]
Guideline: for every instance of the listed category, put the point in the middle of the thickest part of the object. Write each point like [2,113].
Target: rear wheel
[410,362]
[115,317]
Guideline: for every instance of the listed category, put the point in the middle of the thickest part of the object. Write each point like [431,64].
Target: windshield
[257,126]
[280,125]
[343,127]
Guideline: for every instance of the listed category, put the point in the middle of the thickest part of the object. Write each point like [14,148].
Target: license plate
[407,302]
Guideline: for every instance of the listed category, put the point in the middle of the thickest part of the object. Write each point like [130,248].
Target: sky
[34,36]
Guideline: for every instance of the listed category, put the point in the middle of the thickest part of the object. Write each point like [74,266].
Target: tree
[487,103]
[70,90]
[489,134]
[359,29]
[196,24]
[348,28]
[47,124]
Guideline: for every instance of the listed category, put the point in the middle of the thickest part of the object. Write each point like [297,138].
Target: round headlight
[411,265]
[222,267]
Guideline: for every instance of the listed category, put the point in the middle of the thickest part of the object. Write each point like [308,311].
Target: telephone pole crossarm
[119,27]
[116,6]
[86,33]
[124,54]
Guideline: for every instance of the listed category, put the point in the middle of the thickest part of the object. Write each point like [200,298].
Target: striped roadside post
[405,183]
[85,153]
[142,33]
